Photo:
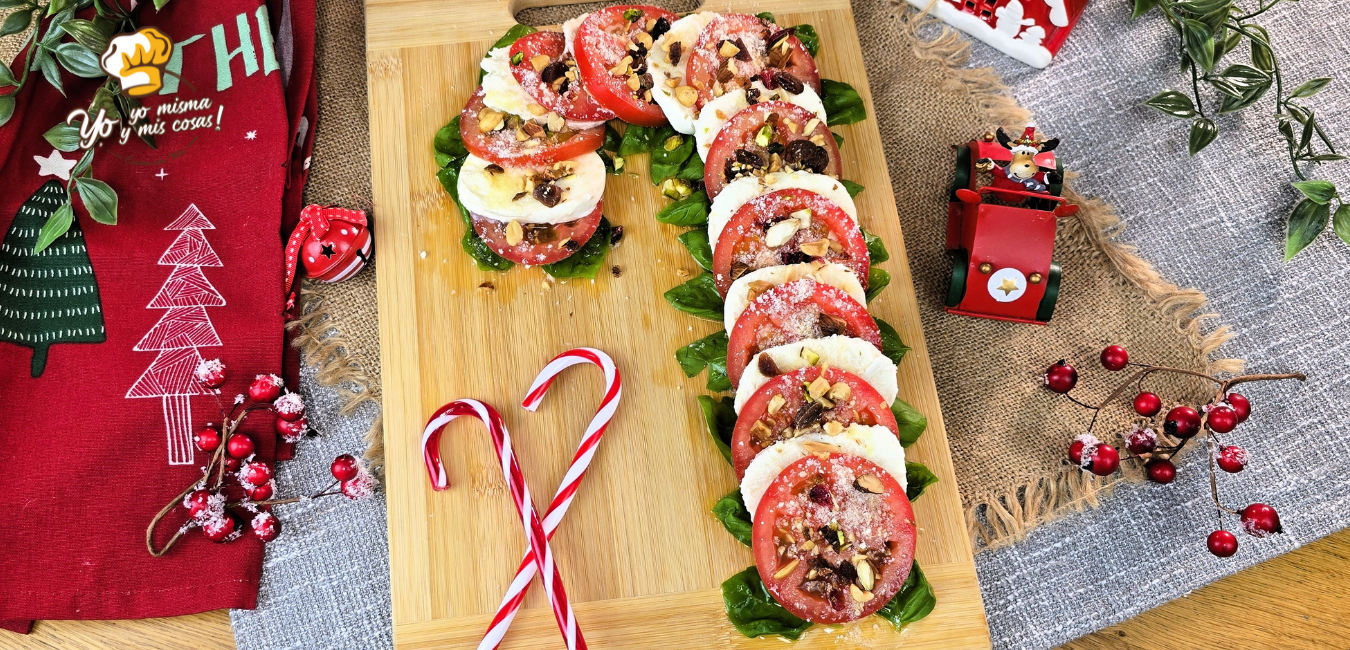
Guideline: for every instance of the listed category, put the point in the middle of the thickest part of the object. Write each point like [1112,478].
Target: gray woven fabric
[1215,222]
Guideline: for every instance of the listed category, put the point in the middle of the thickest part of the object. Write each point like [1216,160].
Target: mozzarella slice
[502,92]
[835,275]
[716,112]
[569,30]
[875,443]
[684,31]
[492,194]
[844,352]
[743,190]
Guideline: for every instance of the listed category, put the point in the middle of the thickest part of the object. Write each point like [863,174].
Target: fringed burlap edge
[322,343]
[1008,518]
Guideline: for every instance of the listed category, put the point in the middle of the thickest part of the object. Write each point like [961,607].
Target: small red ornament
[1232,459]
[1182,422]
[289,407]
[1240,404]
[1261,520]
[1222,543]
[207,438]
[345,467]
[198,503]
[1141,441]
[360,487]
[211,373]
[239,446]
[1115,358]
[1222,419]
[265,388]
[1061,377]
[265,526]
[1161,470]
[231,463]
[221,529]
[1147,404]
[263,492]
[292,430]
[1105,460]
[254,474]
[331,244]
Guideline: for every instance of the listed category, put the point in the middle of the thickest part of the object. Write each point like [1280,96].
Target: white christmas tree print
[184,327]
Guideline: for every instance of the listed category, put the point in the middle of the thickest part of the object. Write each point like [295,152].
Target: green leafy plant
[1213,29]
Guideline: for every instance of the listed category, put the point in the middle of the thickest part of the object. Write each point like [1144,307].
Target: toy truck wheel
[1057,178]
[963,165]
[956,290]
[1047,307]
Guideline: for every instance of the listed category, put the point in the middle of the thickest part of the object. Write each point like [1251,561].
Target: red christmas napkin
[100,333]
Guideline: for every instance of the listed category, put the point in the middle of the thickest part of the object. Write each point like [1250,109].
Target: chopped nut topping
[514,233]
[808,545]
[728,49]
[539,62]
[811,126]
[536,109]
[860,595]
[786,570]
[555,122]
[761,431]
[867,576]
[810,356]
[643,38]
[521,135]
[489,120]
[776,404]
[531,129]
[671,83]
[779,233]
[833,428]
[818,448]
[819,387]
[840,392]
[818,139]
[869,483]
[756,288]
[816,248]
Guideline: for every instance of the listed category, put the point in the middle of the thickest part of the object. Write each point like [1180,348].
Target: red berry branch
[233,485]
[1180,425]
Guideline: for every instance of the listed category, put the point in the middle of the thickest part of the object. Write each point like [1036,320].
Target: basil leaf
[842,103]
[877,279]
[765,15]
[838,140]
[914,601]
[586,262]
[670,151]
[730,510]
[482,254]
[1310,88]
[917,478]
[1318,191]
[64,137]
[449,142]
[1173,103]
[1305,224]
[507,40]
[708,352]
[692,169]
[912,422]
[854,189]
[691,210]
[698,297]
[638,139]
[876,249]
[56,225]
[720,416]
[696,241]
[891,345]
[612,137]
[809,38]
[1341,222]
[753,610]
[1203,132]
[99,199]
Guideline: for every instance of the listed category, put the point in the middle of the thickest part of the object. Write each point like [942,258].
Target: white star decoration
[55,165]
[251,135]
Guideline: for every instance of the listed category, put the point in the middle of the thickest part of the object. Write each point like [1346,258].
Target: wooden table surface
[1297,601]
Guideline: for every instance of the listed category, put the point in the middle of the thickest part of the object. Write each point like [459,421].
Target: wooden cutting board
[641,555]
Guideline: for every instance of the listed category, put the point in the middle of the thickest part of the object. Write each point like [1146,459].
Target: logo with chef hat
[137,60]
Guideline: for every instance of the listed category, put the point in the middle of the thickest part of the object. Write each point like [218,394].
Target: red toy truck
[1001,233]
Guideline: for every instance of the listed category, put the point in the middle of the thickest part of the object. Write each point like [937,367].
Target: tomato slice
[501,146]
[742,248]
[768,137]
[759,50]
[799,414]
[542,243]
[601,43]
[547,81]
[826,501]
[804,309]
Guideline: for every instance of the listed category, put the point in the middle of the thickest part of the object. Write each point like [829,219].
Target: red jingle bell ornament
[331,243]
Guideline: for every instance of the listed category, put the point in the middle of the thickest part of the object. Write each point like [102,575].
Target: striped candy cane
[520,494]
[590,441]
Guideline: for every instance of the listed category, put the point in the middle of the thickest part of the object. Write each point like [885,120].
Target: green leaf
[159,4]
[720,417]
[12,4]
[1318,191]
[854,189]
[6,109]
[56,225]
[586,262]
[612,137]
[1203,132]
[16,22]
[691,210]
[1199,43]
[1231,104]
[1173,103]
[842,103]
[1245,77]
[698,297]
[753,610]
[891,345]
[876,249]
[56,6]
[1230,42]
[482,254]
[708,352]
[1308,221]
[638,139]
[692,169]
[1203,7]
[50,71]
[92,35]
[730,510]
[99,199]
[57,10]
[877,279]
[507,40]
[696,241]
[670,151]
[7,77]
[83,163]
[1262,56]
[79,60]
[1310,88]
[765,15]
[1142,7]
[914,601]
[838,140]
[917,479]
[1341,222]
[912,422]
[449,142]
[809,38]
[64,137]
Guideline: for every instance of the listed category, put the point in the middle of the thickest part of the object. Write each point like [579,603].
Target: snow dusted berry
[1160,470]
[1182,422]
[1083,441]
[1240,404]
[1222,543]
[211,373]
[1232,459]
[265,526]
[1061,377]
[253,474]
[292,430]
[265,388]
[1115,358]
[289,407]
[239,446]
[231,463]
[1147,404]
[222,529]
[207,438]
[1141,441]
[1261,520]
[345,467]
[263,492]
[1222,419]
[359,487]
[1104,461]
[200,504]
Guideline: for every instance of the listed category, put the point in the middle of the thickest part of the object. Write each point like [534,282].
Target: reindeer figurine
[1022,172]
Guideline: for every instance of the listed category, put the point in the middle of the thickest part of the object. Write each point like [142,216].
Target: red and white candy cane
[590,441]
[520,494]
